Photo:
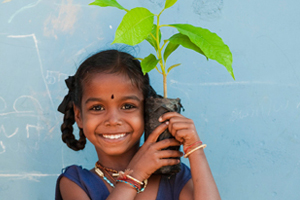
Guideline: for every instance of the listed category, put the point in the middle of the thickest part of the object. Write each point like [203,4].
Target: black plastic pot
[154,108]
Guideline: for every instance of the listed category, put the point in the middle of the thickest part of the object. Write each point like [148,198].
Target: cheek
[137,122]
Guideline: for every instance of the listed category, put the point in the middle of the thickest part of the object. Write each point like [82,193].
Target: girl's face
[112,113]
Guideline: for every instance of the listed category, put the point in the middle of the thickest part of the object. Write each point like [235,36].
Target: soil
[154,108]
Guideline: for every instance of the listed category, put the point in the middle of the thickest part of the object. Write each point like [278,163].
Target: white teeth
[112,137]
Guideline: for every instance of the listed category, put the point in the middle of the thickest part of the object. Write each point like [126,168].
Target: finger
[186,135]
[169,115]
[169,154]
[179,125]
[166,143]
[157,131]
[168,162]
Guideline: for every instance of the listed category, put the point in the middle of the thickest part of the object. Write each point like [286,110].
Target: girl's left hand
[182,128]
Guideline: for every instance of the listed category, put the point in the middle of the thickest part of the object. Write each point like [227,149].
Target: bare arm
[202,185]
[70,190]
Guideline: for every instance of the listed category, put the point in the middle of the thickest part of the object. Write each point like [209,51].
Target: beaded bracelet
[193,150]
[135,187]
[138,188]
[185,150]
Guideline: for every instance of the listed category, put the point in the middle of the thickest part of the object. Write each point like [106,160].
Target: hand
[182,128]
[151,157]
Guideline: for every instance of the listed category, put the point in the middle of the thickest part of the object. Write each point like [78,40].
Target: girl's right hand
[151,157]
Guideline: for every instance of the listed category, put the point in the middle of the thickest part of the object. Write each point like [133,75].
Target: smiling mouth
[114,137]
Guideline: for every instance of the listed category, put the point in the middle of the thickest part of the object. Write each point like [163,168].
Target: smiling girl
[106,100]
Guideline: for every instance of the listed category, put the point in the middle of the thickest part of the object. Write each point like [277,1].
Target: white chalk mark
[29,97]
[233,83]
[9,136]
[38,128]
[5,106]
[27,174]
[40,61]
[83,50]
[16,111]
[110,26]
[2,150]
[22,9]
[30,176]
[26,113]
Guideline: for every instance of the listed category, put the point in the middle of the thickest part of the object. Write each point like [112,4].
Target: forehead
[108,84]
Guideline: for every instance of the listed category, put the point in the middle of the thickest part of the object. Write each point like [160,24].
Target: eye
[128,106]
[97,108]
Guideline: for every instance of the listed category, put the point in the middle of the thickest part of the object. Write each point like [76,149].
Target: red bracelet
[198,142]
[128,180]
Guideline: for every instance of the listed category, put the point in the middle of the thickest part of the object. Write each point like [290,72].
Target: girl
[106,100]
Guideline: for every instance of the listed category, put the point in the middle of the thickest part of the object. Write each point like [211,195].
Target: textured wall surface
[251,125]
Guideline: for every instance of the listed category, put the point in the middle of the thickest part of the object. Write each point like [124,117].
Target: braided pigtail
[66,107]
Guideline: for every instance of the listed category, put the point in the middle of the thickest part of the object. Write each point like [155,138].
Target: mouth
[114,136]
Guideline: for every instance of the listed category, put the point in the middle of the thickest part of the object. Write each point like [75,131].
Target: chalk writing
[53,77]
[20,112]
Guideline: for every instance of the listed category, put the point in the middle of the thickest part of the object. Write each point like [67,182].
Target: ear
[77,115]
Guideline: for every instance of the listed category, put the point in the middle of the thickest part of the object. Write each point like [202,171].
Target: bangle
[138,188]
[185,150]
[134,179]
[126,178]
[122,181]
[193,150]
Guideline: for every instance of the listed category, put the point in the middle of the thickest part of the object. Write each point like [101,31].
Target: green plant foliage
[149,63]
[185,41]
[169,3]
[210,43]
[152,37]
[169,49]
[173,66]
[105,3]
[138,25]
[135,26]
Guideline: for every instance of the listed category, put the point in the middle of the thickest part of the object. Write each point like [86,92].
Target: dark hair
[109,61]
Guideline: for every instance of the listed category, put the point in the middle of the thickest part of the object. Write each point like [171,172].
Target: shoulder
[77,180]
[70,178]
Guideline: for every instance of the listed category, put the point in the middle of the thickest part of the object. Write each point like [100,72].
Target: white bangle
[195,149]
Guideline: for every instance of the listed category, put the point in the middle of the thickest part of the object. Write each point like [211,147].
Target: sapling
[137,26]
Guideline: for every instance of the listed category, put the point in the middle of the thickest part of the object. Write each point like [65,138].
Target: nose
[113,118]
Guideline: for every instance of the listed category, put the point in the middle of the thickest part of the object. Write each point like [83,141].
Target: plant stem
[161,61]
[165,85]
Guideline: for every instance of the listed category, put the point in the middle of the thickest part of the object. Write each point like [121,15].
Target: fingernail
[167,122]
[160,119]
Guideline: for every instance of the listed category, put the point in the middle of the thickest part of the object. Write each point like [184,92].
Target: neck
[117,162]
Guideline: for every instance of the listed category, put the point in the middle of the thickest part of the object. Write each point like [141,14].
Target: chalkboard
[251,125]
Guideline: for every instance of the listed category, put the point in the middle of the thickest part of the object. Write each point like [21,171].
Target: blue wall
[251,125]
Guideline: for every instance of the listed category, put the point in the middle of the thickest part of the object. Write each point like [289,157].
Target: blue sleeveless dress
[94,187]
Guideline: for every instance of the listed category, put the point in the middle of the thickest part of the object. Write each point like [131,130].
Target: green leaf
[135,27]
[149,63]
[151,40]
[210,43]
[185,41]
[105,3]
[169,3]
[169,49]
[173,66]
